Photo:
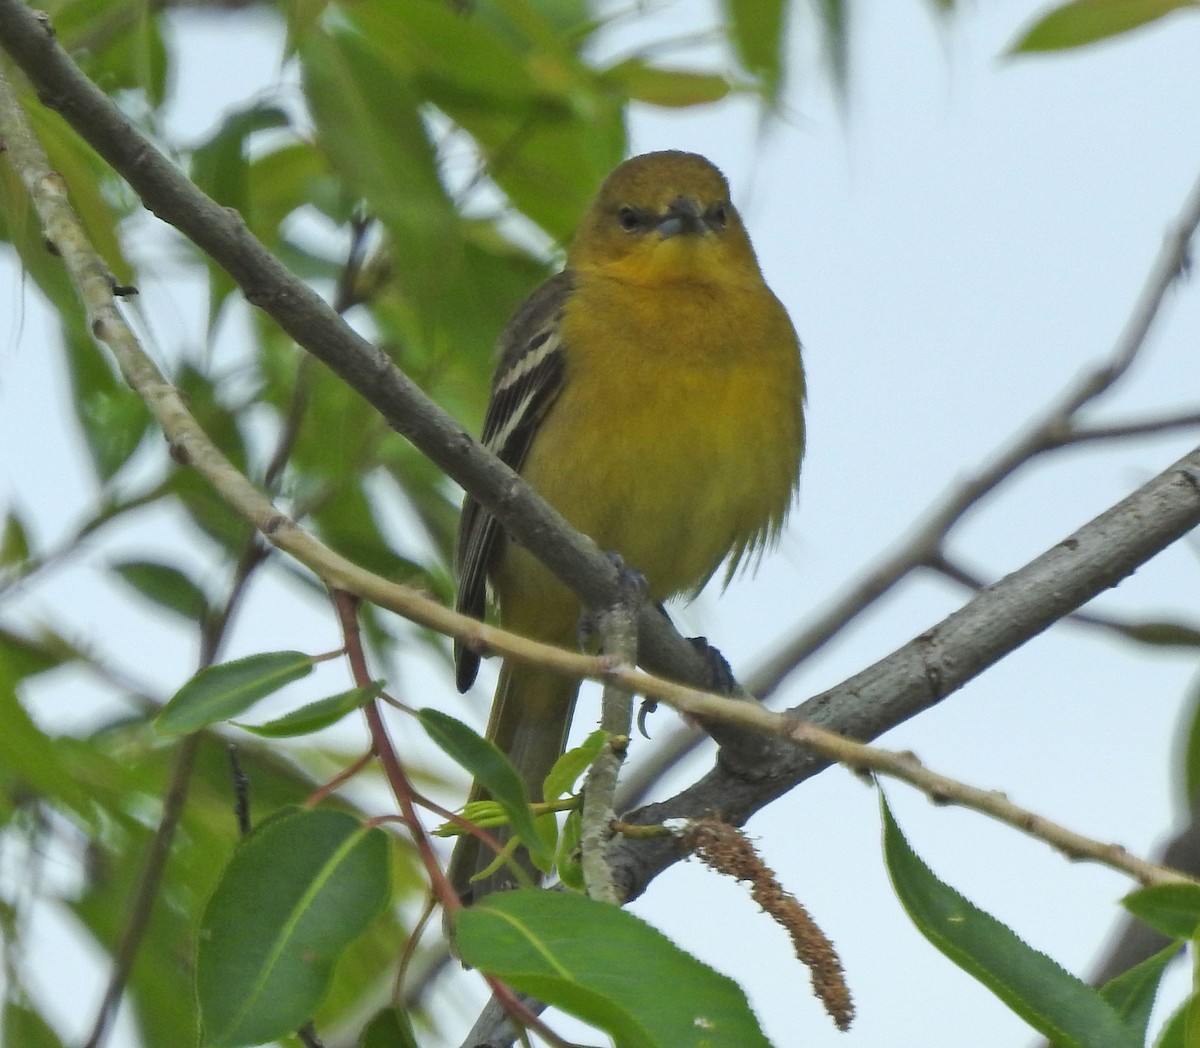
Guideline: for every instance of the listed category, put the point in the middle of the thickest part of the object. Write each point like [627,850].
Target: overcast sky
[954,250]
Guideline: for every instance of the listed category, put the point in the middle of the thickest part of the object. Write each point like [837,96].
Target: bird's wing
[527,381]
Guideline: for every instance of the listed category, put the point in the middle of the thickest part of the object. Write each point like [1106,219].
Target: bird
[653,393]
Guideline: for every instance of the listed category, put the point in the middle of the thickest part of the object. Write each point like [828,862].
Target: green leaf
[666,87]
[14,542]
[1174,1032]
[1162,634]
[1065,1009]
[113,418]
[24,1027]
[540,115]
[1173,909]
[22,656]
[1191,756]
[220,692]
[220,167]
[608,968]
[296,892]
[316,715]
[571,765]
[756,31]
[371,129]
[1083,22]
[1132,992]
[391,1028]
[836,40]
[567,859]
[493,770]
[166,586]
[31,762]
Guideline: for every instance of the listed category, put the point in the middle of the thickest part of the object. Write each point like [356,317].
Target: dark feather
[526,384]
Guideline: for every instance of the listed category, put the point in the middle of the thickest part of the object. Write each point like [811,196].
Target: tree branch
[924,671]
[222,235]
[943,790]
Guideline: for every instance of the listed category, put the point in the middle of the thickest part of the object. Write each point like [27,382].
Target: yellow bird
[652,392]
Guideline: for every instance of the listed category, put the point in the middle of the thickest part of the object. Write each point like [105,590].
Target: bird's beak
[684,215]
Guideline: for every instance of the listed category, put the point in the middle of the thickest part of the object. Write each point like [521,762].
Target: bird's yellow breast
[665,442]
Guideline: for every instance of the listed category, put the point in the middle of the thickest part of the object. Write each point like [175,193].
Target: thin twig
[895,688]
[1056,428]
[943,790]
[145,895]
[303,314]
[1052,430]
[1150,427]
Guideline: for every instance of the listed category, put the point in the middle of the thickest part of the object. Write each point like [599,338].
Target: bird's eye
[629,219]
[717,216]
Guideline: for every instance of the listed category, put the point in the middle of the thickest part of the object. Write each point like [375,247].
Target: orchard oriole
[652,392]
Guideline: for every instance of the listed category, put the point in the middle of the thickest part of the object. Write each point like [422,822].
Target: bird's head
[664,217]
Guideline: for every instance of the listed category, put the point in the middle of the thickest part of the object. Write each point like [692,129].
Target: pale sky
[969,237]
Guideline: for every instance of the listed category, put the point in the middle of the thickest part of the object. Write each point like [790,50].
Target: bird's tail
[531,714]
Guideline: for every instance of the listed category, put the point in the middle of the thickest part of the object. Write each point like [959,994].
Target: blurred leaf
[493,770]
[539,114]
[118,43]
[113,418]
[1191,754]
[22,656]
[834,15]
[86,175]
[209,512]
[391,1028]
[666,87]
[220,422]
[150,56]
[567,858]
[166,586]
[1083,22]
[220,167]
[756,29]
[1173,909]
[24,1028]
[1055,1003]
[223,691]
[1162,634]
[20,227]
[607,967]
[316,715]
[295,894]
[29,759]
[14,541]
[280,183]
[346,521]
[1132,992]
[371,129]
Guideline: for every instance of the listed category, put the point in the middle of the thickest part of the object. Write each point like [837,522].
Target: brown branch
[145,895]
[316,326]
[754,769]
[1056,429]
[943,790]
[1053,430]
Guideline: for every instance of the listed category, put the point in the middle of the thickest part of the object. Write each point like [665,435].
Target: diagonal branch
[1056,428]
[754,768]
[266,283]
[924,671]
